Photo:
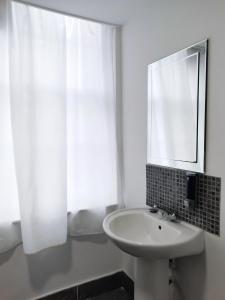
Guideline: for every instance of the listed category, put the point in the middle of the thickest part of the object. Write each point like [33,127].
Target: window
[58,127]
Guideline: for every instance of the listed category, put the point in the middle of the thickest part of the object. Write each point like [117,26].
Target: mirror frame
[199,166]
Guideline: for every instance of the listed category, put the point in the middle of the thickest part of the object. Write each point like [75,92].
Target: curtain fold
[91,125]
[59,131]
[9,207]
[38,111]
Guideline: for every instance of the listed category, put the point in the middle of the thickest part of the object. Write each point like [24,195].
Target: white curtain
[58,127]
[9,206]
[92,154]
[38,106]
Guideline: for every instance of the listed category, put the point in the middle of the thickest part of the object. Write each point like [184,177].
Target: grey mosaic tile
[167,189]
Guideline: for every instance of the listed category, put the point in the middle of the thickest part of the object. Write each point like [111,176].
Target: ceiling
[109,11]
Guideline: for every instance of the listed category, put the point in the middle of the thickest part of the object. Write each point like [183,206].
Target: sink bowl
[144,234]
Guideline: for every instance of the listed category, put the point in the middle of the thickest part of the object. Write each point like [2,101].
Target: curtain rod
[66,13]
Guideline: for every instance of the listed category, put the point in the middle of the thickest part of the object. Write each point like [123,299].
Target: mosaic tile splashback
[167,189]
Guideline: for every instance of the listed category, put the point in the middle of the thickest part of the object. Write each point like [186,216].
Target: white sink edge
[118,239]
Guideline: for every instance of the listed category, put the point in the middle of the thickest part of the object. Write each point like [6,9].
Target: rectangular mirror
[176,109]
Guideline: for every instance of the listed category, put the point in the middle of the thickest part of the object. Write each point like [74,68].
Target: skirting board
[95,288]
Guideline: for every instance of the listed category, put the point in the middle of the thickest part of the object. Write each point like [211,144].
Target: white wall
[27,277]
[152,29]
[158,29]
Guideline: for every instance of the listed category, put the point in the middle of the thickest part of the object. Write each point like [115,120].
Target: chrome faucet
[162,213]
[168,217]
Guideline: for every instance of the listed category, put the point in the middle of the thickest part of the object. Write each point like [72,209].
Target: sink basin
[153,240]
[144,234]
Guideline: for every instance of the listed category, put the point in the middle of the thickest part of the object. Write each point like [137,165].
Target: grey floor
[118,294]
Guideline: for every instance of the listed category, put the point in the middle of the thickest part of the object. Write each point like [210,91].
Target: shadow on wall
[45,264]
[185,288]
[50,262]
[4,257]
[94,238]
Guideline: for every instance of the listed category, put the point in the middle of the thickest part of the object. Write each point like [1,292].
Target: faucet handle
[162,214]
[166,216]
[172,217]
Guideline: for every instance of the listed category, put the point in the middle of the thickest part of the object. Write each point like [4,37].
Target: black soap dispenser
[191,195]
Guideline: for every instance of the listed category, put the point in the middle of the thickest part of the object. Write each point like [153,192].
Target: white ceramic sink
[144,234]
